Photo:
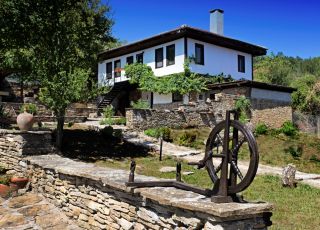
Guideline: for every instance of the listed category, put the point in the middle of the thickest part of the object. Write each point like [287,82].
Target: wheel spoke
[236,148]
[218,168]
[236,169]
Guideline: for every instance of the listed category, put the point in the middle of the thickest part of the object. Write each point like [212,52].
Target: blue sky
[289,26]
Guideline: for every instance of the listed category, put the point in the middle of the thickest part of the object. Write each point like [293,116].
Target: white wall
[270,94]
[219,60]
[162,98]
[149,59]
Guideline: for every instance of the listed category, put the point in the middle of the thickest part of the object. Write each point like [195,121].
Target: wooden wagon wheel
[241,144]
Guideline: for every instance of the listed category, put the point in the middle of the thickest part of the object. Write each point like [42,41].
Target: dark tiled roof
[189,32]
[252,84]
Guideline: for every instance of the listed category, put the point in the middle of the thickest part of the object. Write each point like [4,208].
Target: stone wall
[307,123]
[208,114]
[272,113]
[15,145]
[97,198]
[74,113]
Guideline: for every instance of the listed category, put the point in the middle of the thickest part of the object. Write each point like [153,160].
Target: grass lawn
[302,150]
[294,208]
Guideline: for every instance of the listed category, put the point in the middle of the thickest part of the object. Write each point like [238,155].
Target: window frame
[201,47]
[137,57]
[109,75]
[241,63]
[170,62]
[117,74]
[156,53]
[129,58]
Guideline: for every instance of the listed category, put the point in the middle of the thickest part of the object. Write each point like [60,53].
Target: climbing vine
[182,83]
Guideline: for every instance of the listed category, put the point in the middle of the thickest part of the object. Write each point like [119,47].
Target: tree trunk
[59,136]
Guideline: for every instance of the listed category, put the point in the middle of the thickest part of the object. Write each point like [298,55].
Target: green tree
[61,40]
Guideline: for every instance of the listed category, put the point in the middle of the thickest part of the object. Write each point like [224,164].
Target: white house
[212,53]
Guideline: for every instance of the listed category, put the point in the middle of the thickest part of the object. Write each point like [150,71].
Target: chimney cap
[219,10]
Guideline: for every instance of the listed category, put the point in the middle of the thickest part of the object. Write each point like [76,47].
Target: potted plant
[19,182]
[5,189]
[25,119]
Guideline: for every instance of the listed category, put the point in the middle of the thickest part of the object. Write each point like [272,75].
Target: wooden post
[161,143]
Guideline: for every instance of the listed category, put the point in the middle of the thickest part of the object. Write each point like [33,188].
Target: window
[199,50]
[109,70]
[159,57]
[139,58]
[241,64]
[130,60]
[117,68]
[176,97]
[171,54]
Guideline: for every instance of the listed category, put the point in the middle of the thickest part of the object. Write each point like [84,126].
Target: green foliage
[140,104]
[3,113]
[261,129]
[165,132]
[108,111]
[29,108]
[59,40]
[182,83]
[4,179]
[189,138]
[295,151]
[289,129]
[243,106]
[113,121]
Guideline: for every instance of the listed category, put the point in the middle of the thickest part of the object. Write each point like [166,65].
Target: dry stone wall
[207,114]
[15,145]
[97,198]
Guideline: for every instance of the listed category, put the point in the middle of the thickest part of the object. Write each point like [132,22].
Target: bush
[243,106]
[108,112]
[165,132]
[289,129]
[30,108]
[295,152]
[119,121]
[5,179]
[3,113]
[140,104]
[261,129]
[187,138]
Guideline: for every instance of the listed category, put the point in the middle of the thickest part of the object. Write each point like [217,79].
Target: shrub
[3,113]
[4,180]
[165,132]
[289,129]
[108,111]
[140,104]
[119,121]
[243,106]
[30,108]
[261,129]
[187,138]
[295,152]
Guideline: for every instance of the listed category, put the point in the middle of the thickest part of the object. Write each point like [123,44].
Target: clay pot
[20,182]
[5,190]
[25,121]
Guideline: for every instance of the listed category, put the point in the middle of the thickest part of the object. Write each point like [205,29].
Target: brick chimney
[216,21]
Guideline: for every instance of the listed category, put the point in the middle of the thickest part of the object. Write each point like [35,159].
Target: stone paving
[32,211]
